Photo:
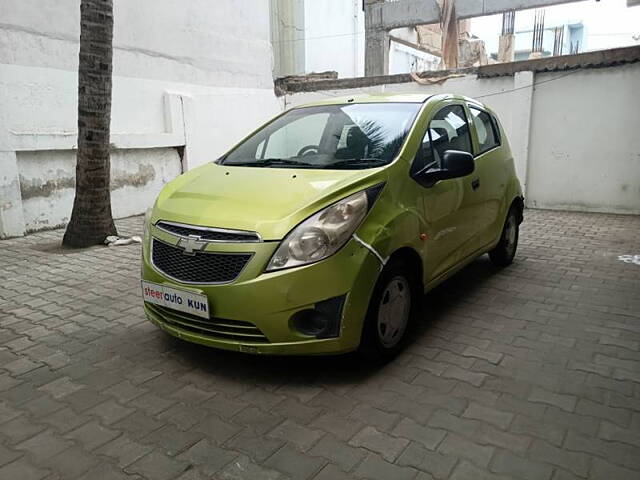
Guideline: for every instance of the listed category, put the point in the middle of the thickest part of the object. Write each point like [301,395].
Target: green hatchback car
[320,232]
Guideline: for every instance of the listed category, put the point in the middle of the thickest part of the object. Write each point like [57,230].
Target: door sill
[456,268]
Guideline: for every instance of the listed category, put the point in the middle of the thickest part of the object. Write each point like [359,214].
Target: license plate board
[176,299]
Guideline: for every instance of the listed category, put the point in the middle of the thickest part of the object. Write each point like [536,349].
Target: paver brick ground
[529,372]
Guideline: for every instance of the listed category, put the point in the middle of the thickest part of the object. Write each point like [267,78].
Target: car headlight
[325,232]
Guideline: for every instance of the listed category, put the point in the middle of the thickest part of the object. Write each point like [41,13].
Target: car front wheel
[390,310]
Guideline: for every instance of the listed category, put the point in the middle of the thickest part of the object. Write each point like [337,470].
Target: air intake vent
[216,328]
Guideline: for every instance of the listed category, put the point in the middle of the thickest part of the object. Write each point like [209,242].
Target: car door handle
[475,184]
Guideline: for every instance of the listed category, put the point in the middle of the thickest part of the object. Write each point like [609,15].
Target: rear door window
[485,128]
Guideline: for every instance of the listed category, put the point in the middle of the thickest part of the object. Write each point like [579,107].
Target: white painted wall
[47,180]
[225,43]
[574,136]
[405,59]
[585,141]
[215,59]
[334,37]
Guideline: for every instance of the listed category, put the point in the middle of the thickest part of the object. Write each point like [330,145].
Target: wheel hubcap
[510,234]
[393,311]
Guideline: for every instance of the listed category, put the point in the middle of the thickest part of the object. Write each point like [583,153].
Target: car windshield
[352,136]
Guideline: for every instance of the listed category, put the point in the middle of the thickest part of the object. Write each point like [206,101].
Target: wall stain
[121,179]
[34,187]
[31,188]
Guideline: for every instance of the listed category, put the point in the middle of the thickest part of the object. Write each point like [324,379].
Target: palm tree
[91,221]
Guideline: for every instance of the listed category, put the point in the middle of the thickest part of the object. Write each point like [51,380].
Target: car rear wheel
[390,311]
[502,255]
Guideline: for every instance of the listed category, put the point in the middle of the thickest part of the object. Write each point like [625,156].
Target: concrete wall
[194,42]
[334,37]
[189,77]
[316,36]
[405,59]
[47,183]
[585,141]
[574,134]
[288,37]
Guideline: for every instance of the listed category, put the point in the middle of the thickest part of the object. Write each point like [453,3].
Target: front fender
[395,223]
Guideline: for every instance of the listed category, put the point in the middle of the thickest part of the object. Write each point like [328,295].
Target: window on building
[485,128]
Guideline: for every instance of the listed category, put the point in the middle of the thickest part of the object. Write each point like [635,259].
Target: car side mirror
[455,164]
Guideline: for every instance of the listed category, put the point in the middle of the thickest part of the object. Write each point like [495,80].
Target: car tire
[392,306]
[502,255]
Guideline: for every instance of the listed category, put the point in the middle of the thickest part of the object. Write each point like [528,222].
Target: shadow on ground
[336,369]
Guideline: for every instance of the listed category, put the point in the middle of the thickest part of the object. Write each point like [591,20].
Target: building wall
[190,80]
[405,59]
[190,42]
[288,37]
[317,36]
[585,142]
[334,37]
[47,182]
[574,134]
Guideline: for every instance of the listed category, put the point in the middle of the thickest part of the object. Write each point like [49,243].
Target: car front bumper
[269,300]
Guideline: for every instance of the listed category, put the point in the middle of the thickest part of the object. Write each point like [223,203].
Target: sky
[608,23]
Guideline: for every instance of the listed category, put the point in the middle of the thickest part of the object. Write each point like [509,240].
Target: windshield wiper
[357,162]
[269,162]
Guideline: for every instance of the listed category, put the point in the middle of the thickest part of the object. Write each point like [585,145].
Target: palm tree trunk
[91,221]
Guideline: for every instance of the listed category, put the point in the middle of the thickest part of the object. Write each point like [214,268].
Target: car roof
[388,98]
[372,98]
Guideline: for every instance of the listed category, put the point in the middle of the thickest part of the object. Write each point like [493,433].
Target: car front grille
[201,267]
[215,328]
[210,234]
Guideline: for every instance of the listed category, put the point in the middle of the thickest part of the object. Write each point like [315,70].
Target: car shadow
[344,369]
[452,294]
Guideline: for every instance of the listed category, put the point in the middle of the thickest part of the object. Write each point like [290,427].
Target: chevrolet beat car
[320,232]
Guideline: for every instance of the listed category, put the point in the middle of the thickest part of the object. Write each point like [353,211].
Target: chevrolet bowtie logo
[192,244]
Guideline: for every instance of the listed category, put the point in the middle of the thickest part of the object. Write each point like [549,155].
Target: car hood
[270,201]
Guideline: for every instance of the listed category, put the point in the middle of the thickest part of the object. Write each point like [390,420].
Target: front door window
[448,130]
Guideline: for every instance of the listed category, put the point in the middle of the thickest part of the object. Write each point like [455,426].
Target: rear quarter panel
[513,188]
[499,181]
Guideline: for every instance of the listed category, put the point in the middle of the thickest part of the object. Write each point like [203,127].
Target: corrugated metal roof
[597,59]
